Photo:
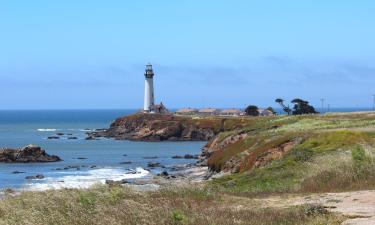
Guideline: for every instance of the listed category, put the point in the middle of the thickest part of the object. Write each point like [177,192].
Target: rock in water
[28,154]
[37,177]
[154,164]
[53,137]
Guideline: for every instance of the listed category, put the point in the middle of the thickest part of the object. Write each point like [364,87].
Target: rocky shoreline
[170,127]
[158,127]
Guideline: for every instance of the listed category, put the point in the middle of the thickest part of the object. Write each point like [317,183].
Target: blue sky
[70,54]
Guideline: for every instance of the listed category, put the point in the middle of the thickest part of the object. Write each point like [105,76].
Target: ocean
[103,159]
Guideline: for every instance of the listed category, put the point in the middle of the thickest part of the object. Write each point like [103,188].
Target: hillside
[311,153]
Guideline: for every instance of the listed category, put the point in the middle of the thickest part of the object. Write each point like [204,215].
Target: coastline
[184,175]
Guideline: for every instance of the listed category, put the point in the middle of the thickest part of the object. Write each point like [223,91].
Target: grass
[352,170]
[117,205]
[311,166]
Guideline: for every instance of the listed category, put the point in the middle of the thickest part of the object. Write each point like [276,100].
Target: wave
[46,129]
[68,129]
[86,130]
[86,179]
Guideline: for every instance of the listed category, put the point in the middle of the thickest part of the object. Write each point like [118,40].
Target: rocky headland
[160,127]
[170,127]
[245,144]
[28,154]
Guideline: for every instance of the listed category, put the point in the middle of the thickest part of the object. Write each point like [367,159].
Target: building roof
[186,110]
[231,111]
[264,112]
[208,110]
[160,108]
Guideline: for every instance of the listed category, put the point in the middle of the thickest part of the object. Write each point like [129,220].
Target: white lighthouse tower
[149,90]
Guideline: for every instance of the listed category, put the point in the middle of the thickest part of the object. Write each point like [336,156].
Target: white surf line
[46,129]
[86,179]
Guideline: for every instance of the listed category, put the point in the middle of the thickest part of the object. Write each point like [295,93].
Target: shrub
[178,217]
[361,161]
[87,200]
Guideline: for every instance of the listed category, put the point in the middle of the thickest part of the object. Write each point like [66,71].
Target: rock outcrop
[159,127]
[28,154]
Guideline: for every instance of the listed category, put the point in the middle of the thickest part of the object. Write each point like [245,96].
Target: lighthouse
[148,106]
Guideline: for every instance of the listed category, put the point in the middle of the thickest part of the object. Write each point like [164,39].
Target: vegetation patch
[295,170]
[218,159]
[157,207]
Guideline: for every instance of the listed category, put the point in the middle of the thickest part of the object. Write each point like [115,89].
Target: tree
[302,107]
[285,108]
[252,110]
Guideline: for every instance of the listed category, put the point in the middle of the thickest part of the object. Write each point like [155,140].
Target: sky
[91,54]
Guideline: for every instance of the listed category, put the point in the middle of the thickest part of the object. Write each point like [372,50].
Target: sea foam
[86,179]
[46,129]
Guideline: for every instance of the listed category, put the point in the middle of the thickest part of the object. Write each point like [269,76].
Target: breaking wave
[86,179]
[46,129]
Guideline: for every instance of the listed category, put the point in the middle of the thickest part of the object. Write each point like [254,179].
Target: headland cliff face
[234,144]
[161,127]
[170,127]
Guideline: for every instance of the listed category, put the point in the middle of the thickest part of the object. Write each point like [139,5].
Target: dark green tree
[302,107]
[252,110]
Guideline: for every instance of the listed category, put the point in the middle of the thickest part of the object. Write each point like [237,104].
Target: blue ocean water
[103,157]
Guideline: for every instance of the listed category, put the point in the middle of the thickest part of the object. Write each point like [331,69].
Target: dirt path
[358,206]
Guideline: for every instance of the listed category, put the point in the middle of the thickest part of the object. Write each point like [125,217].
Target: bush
[88,200]
[178,217]
[361,161]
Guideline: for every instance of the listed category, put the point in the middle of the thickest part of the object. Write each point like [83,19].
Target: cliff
[163,127]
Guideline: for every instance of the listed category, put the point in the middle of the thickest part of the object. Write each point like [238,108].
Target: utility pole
[322,108]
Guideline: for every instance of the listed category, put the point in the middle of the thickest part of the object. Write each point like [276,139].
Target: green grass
[175,206]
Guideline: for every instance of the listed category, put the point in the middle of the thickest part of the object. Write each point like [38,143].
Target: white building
[148,106]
